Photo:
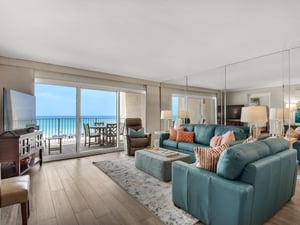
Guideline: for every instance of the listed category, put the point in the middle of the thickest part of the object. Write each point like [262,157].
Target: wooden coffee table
[157,164]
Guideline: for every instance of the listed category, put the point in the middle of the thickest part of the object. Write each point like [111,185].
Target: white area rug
[151,192]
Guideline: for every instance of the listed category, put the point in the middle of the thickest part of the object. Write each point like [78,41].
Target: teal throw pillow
[136,133]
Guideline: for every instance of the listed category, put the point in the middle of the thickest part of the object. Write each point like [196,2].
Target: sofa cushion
[234,159]
[239,132]
[189,147]
[203,133]
[189,127]
[276,144]
[184,136]
[170,143]
[207,158]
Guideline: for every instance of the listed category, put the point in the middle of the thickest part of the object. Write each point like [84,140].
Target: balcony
[63,129]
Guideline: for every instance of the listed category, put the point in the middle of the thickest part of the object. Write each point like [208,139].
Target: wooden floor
[75,192]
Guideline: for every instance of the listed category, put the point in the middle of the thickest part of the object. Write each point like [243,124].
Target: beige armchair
[134,143]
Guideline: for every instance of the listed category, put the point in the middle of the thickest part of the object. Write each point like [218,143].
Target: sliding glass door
[82,120]
[56,117]
[98,119]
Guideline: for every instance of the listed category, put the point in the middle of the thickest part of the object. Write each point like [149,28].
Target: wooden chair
[111,133]
[88,136]
[15,190]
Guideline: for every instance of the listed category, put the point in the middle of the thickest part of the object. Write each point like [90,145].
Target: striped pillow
[207,158]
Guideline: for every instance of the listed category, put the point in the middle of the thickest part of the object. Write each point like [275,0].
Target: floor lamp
[254,116]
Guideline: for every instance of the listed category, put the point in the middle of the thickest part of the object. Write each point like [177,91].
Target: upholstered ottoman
[158,165]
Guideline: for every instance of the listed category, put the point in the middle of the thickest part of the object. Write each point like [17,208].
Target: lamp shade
[291,106]
[279,114]
[166,115]
[254,114]
[183,114]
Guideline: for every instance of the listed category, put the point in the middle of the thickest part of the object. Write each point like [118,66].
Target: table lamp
[254,115]
[167,116]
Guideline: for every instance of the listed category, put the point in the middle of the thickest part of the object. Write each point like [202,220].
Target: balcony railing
[65,127]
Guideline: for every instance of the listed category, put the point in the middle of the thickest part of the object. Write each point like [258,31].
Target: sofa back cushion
[276,144]
[234,159]
[239,132]
[189,127]
[203,133]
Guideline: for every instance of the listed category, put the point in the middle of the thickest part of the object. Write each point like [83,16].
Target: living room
[251,74]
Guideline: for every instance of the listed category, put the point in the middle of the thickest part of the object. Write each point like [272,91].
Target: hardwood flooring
[75,192]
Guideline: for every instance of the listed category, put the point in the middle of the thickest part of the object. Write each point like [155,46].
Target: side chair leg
[25,212]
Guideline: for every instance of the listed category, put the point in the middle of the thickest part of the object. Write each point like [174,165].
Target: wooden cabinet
[19,150]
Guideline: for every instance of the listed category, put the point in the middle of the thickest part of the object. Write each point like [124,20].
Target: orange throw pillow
[185,136]
[173,133]
[228,137]
[215,141]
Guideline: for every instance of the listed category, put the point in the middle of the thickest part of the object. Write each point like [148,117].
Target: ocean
[65,126]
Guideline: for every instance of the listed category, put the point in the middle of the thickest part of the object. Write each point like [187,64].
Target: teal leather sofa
[253,181]
[202,135]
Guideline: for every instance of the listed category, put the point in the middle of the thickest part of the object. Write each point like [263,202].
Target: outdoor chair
[111,133]
[134,142]
[88,136]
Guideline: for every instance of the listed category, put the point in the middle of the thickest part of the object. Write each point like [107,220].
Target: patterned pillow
[207,158]
[185,136]
[228,137]
[215,141]
[173,133]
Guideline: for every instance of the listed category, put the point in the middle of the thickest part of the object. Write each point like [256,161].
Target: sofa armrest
[210,198]
[162,137]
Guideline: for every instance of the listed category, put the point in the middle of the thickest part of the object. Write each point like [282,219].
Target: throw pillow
[215,141]
[185,136]
[207,158]
[136,133]
[228,137]
[173,133]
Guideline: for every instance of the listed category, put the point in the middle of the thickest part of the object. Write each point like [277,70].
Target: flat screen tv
[19,109]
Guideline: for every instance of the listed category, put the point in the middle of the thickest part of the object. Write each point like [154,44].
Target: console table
[19,150]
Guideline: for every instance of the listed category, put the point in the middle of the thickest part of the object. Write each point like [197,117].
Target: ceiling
[162,41]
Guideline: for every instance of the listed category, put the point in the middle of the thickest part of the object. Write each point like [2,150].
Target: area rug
[151,192]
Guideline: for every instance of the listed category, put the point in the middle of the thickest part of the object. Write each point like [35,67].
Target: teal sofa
[202,135]
[253,181]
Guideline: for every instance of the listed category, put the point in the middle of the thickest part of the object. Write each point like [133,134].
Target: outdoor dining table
[101,130]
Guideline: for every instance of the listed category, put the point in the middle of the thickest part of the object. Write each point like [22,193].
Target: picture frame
[254,101]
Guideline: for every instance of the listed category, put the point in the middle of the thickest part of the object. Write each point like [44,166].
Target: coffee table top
[163,154]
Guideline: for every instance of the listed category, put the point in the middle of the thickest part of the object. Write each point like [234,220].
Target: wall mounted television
[19,109]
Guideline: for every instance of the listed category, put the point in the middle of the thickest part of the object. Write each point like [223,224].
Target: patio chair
[111,133]
[88,136]
[133,143]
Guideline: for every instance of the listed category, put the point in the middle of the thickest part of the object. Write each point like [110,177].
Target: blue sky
[52,100]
